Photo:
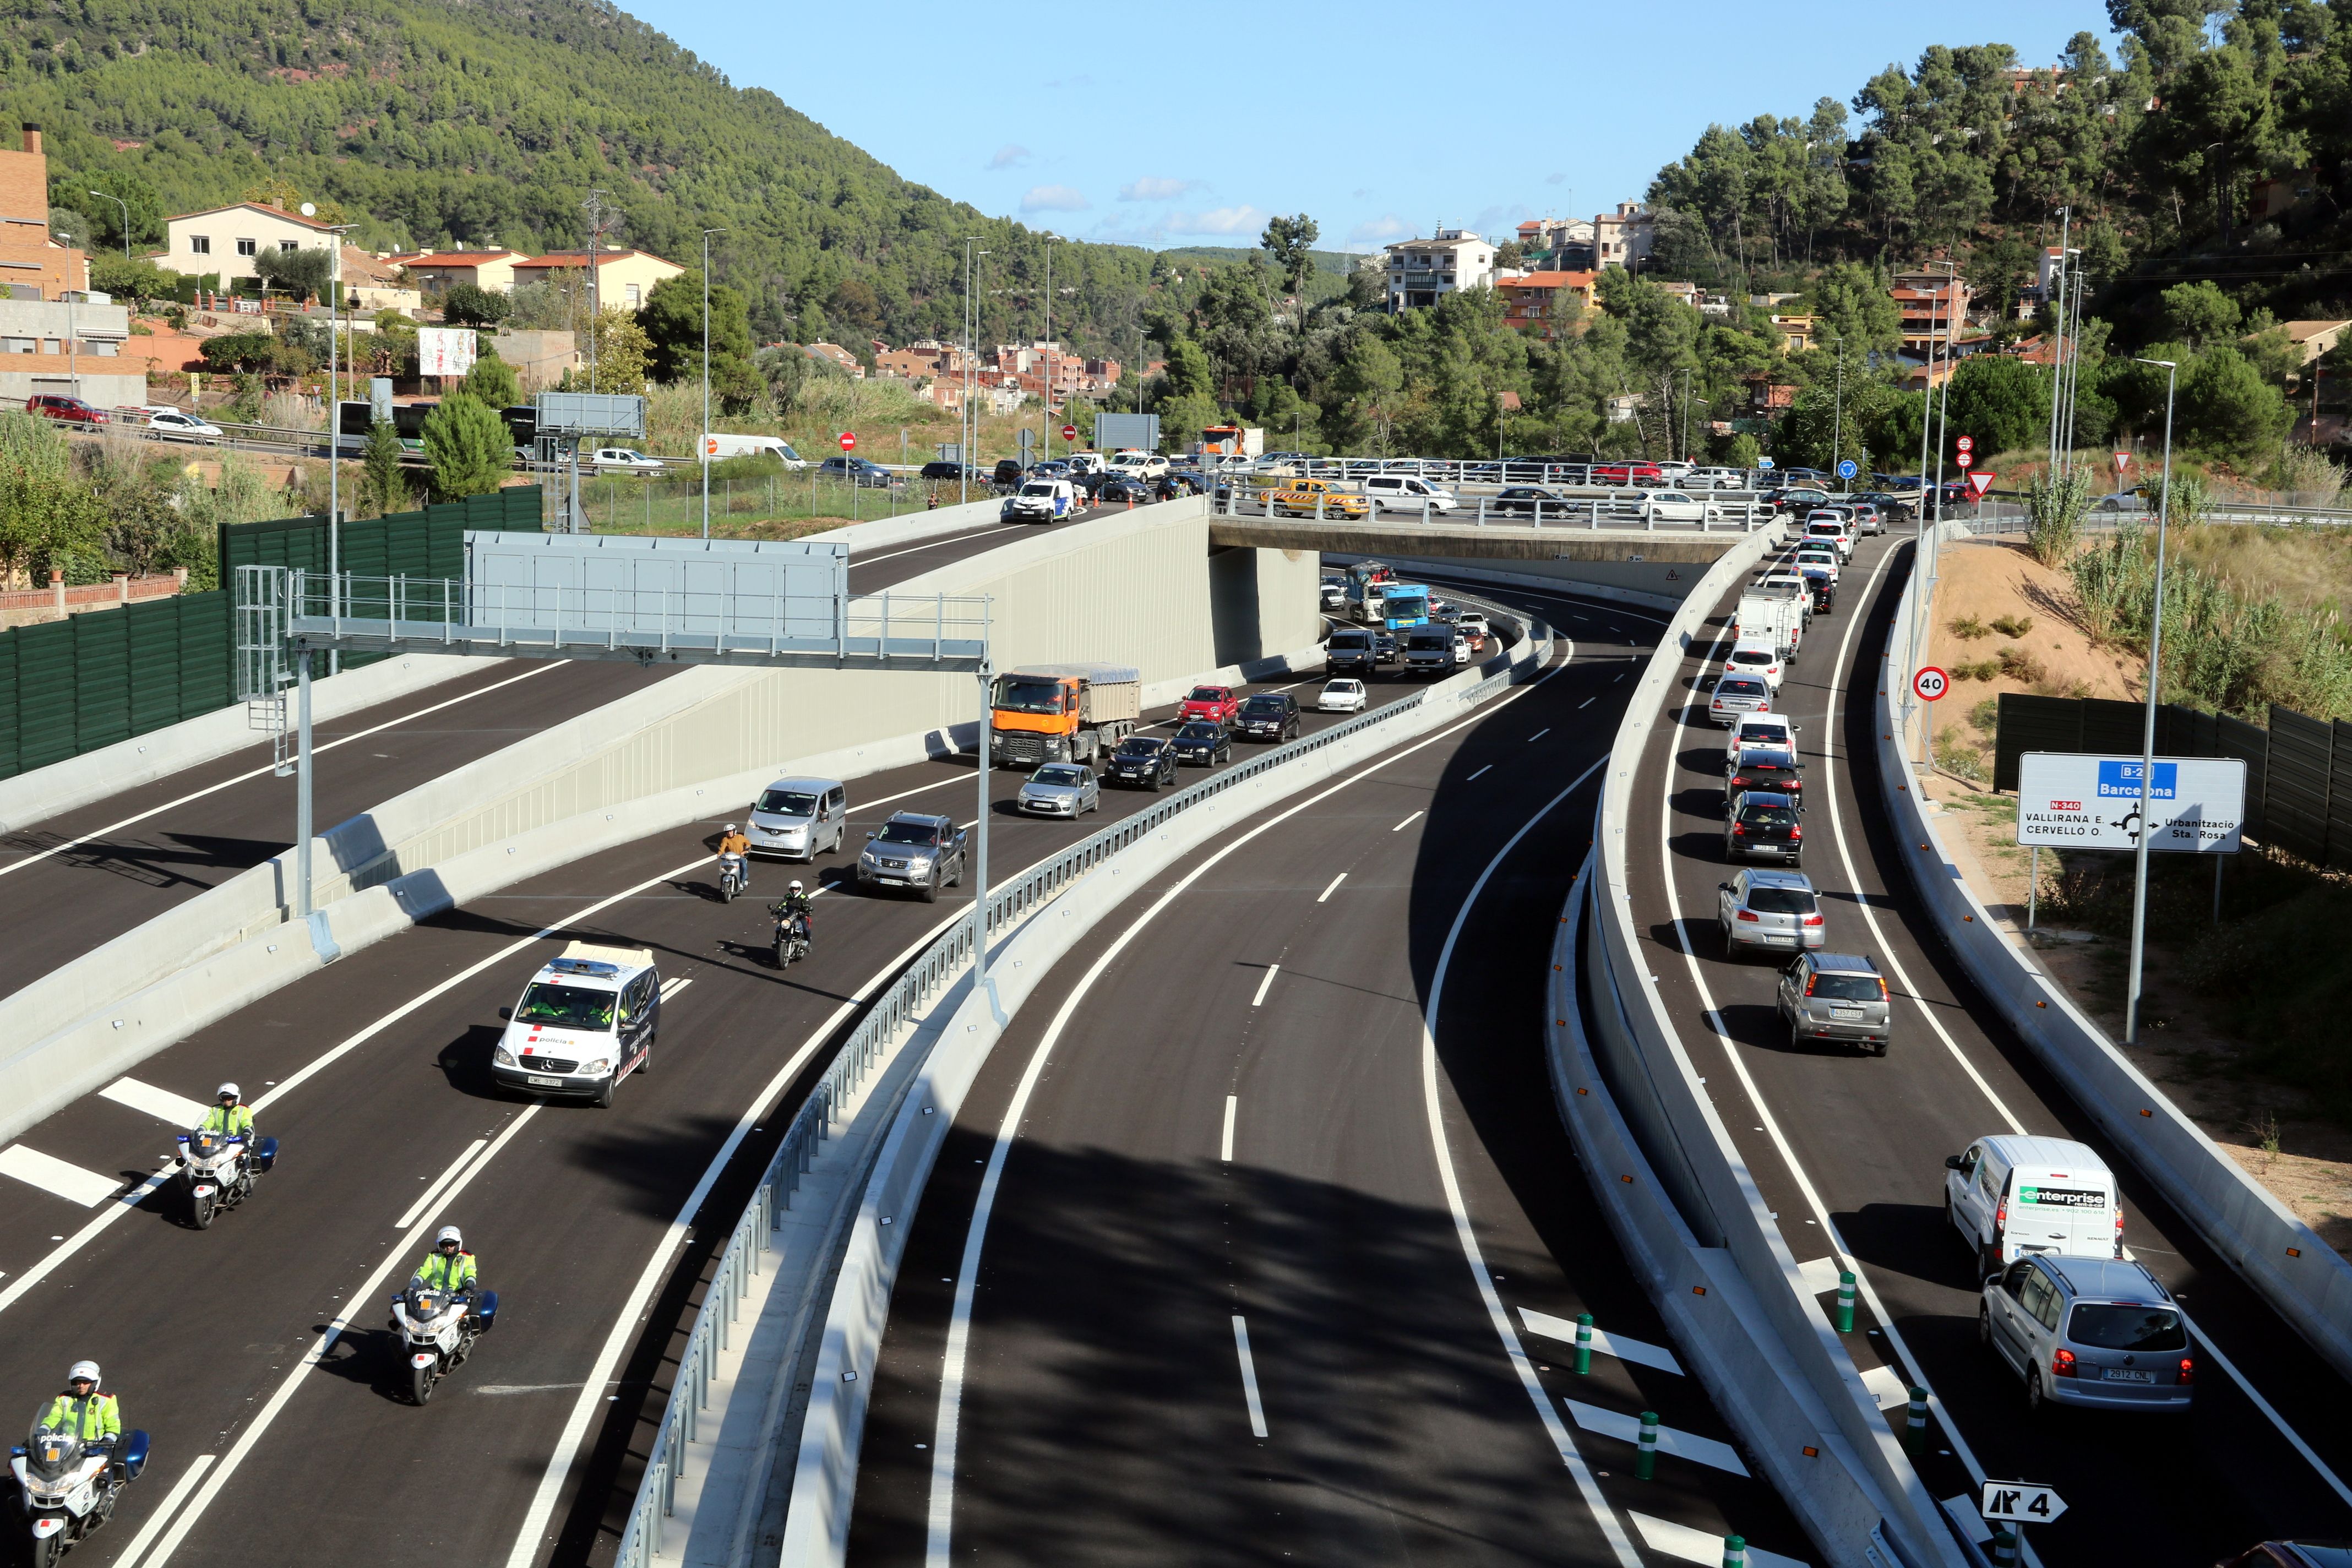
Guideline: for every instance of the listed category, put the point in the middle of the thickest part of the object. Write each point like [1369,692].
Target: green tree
[2228,409]
[88,193]
[386,487]
[623,356]
[2002,403]
[468,450]
[300,274]
[2199,314]
[492,382]
[471,305]
[1851,302]
[671,320]
[1370,388]
[238,352]
[139,281]
[1291,242]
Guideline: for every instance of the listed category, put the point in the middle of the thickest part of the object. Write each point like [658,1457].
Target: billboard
[738,588]
[444,351]
[1125,432]
[2197,805]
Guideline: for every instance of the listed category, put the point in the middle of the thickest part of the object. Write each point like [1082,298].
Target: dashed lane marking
[1333,888]
[52,1174]
[1672,1440]
[1264,985]
[1408,821]
[1225,1144]
[1249,1376]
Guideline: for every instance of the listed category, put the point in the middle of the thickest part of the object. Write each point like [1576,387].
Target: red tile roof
[456,257]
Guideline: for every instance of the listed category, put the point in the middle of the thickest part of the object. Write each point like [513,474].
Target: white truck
[719,447]
[1777,612]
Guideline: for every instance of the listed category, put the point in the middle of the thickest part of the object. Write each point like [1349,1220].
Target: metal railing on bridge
[1646,510]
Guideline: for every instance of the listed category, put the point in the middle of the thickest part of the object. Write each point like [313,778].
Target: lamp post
[1045,421]
[967,427]
[118,201]
[2062,277]
[2147,733]
[705,378]
[1837,418]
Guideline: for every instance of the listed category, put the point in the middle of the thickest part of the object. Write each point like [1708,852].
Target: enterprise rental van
[2012,1195]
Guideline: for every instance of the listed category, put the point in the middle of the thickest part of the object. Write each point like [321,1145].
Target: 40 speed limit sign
[1930,683]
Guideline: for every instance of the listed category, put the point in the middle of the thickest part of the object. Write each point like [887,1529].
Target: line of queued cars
[1208,722]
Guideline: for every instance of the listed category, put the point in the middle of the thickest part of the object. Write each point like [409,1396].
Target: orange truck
[1061,713]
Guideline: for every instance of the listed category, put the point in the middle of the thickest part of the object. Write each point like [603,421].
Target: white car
[1757,658]
[1678,506]
[176,424]
[1138,465]
[621,461]
[1341,696]
[1822,553]
[1406,492]
[1777,730]
[1715,479]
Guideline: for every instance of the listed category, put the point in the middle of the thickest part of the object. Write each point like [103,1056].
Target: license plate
[1845,1011]
[1779,941]
[2127,1375]
[550,1083]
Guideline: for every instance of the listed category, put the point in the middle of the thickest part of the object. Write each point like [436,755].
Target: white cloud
[1053,199]
[1012,155]
[1153,189]
[1380,231]
[1241,219]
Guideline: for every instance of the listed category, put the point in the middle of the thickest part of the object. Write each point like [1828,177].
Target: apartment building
[1623,238]
[1422,271]
[1933,305]
[226,241]
[1538,304]
[53,337]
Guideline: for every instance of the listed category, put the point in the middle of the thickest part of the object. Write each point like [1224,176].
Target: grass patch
[2019,665]
[1982,670]
[2013,626]
[1968,629]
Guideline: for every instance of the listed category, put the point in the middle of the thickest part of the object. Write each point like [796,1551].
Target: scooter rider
[733,842]
[794,905]
[81,1411]
[448,1266]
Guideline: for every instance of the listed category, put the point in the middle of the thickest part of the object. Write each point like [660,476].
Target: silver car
[1835,997]
[1769,911]
[2089,1331]
[1061,789]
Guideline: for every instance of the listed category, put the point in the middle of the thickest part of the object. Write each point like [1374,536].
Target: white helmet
[83,1369]
[227,1091]
[730,827]
[449,1233]
[796,885]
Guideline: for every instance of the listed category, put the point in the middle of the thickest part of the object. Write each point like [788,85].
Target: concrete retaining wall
[1822,1402]
[2306,1281]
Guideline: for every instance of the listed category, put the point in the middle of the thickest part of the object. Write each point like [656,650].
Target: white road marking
[1820,1274]
[1539,734]
[1622,1346]
[1249,1376]
[1886,1386]
[1680,1540]
[1333,888]
[1963,1512]
[946,1432]
[1464,1236]
[673,986]
[1408,821]
[1474,777]
[360,1301]
[539,669]
[1671,1440]
[163,1516]
[1271,970]
[1586,703]
[172,1110]
[432,1193]
[52,1174]
[1225,1145]
[2205,1343]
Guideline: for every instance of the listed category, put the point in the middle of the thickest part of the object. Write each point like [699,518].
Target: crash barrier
[1618,509]
[2298,768]
[1415,568]
[692,747]
[86,682]
[910,527]
[1857,1481]
[895,1137]
[2306,1281]
[1718,1324]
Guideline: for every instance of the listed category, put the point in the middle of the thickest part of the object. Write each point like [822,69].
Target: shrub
[1968,629]
[2055,504]
[2013,626]
[1957,756]
[2019,665]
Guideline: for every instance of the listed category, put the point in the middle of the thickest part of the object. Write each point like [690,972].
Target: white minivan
[2009,1195]
[1405,492]
[585,1022]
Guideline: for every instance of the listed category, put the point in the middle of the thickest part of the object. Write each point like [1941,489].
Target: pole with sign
[2017,1504]
[2123,461]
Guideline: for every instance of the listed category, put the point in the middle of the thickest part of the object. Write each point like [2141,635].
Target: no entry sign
[848,441]
[1069,432]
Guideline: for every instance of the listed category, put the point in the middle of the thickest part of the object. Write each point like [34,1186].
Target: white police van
[585,1022]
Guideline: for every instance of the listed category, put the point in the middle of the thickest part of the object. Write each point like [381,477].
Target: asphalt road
[1214,1128]
[596,1227]
[1853,1144]
[87,876]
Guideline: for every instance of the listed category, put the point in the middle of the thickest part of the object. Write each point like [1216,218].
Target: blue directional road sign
[1763,462]
[1847,468]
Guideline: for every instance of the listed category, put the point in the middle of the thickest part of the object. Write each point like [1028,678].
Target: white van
[2011,1195]
[1039,500]
[799,818]
[585,1022]
[1404,492]
[721,447]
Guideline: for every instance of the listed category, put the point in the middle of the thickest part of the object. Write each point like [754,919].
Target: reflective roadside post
[2147,733]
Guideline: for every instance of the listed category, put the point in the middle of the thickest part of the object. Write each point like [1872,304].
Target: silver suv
[1768,910]
[2089,1331]
[917,850]
[1835,997]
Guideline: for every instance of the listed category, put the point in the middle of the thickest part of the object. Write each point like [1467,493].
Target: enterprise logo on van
[2062,1197]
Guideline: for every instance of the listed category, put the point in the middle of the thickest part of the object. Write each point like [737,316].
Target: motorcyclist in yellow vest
[231,1117]
[449,1267]
[81,1411]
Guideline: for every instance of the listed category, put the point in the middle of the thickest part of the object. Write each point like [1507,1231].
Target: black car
[1527,501]
[1142,763]
[942,470]
[1797,499]
[1824,588]
[1761,824]
[1119,489]
[1270,716]
[1770,769]
[1204,744]
[1386,649]
[1008,471]
[859,471]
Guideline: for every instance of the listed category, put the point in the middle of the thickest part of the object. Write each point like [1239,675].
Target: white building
[1422,271]
[227,240]
[1623,238]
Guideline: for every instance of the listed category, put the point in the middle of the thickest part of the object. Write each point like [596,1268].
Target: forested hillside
[490,121]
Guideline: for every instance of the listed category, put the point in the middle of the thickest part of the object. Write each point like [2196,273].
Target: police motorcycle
[70,1487]
[437,1330]
[218,1170]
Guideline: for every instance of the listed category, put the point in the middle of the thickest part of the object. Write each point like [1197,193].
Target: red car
[72,410]
[1627,474]
[1214,702]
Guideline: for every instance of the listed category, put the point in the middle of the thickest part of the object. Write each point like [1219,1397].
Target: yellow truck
[1305,497]
[1061,713]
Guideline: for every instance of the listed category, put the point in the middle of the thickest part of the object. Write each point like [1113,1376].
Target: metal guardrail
[923,981]
[1629,510]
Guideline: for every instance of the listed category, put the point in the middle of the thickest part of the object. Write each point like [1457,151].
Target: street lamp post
[1837,420]
[705,442]
[2147,733]
[2062,276]
[118,201]
[1045,422]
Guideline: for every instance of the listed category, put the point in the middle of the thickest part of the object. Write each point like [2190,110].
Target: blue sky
[1172,125]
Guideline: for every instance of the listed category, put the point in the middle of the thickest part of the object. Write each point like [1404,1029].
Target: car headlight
[504,1056]
[599,1065]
